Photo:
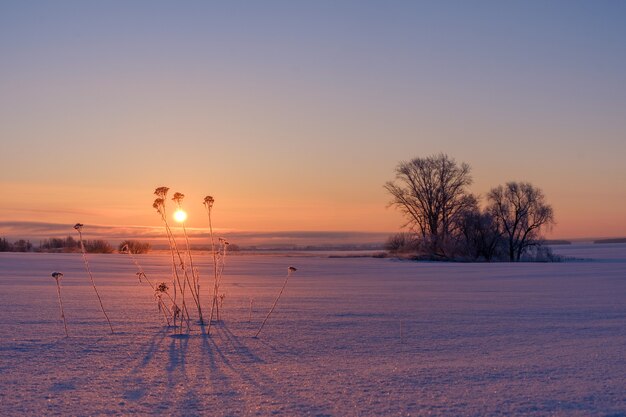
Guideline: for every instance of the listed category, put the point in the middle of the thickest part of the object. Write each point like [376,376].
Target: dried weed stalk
[79,228]
[194,285]
[57,277]
[208,204]
[290,270]
[159,205]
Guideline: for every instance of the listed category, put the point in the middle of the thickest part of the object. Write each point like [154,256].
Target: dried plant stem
[56,278]
[62,312]
[176,278]
[176,254]
[163,308]
[275,302]
[215,270]
[220,274]
[160,304]
[194,274]
[182,287]
[140,271]
[159,205]
[82,249]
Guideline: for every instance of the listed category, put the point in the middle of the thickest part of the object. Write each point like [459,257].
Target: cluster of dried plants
[191,277]
[185,275]
[172,298]
[180,313]
[194,285]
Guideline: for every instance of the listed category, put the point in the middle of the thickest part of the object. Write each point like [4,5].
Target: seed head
[158,204]
[57,275]
[178,198]
[162,287]
[78,226]
[208,201]
[161,192]
[292,269]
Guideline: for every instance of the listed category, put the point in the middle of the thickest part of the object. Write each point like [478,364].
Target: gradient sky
[293,114]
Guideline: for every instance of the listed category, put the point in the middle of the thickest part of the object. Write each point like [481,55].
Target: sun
[180,216]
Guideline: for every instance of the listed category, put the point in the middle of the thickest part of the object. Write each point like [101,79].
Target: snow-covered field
[350,337]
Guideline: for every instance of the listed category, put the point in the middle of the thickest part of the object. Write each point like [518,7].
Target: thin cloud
[35,231]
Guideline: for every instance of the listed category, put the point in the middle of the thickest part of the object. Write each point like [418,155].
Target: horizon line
[27,230]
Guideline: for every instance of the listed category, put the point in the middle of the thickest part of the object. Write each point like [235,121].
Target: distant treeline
[615,240]
[70,245]
[17,246]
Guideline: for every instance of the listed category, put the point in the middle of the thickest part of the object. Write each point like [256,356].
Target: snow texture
[349,337]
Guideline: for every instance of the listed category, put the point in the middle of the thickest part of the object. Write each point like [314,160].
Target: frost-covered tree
[480,237]
[432,194]
[520,211]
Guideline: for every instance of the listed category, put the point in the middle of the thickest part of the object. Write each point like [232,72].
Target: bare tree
[432,194]
[480,237]
[520,211]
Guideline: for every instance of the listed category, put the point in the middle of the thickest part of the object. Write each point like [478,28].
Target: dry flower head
[158,204]
[208,201]
[178,198]
[161,192]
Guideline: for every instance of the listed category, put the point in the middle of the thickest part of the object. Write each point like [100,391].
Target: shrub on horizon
[402,243]
[134,246]
[98,246]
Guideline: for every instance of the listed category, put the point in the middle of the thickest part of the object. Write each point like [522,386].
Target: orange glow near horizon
[363,212]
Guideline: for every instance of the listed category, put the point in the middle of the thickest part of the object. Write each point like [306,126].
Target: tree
[432,193]
[5,246]
[69,244]
[22,246]
[520,211]
[480,236]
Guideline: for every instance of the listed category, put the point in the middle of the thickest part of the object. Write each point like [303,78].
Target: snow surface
[349,337]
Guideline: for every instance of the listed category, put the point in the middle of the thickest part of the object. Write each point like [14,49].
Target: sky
[293,114]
